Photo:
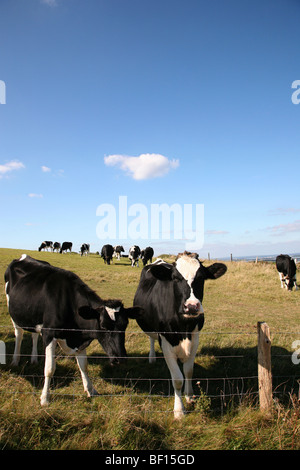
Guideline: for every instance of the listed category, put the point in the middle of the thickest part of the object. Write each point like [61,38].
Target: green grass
[133,412]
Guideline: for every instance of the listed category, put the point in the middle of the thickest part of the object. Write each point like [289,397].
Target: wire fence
[223,373]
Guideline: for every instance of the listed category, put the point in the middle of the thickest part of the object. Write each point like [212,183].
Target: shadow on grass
[221,374]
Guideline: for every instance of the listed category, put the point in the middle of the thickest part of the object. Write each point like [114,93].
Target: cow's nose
[192,307]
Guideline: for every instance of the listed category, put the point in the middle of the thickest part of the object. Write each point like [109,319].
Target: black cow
[56,246]
[134,254]
[147,255]
[66,246]
[286,268]
[171,298]
[45,245]
[118,250]
[84,249]
[107,253]
[59,305]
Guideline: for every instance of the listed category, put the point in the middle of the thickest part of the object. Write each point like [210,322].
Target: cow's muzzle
[115,361]
[192,309]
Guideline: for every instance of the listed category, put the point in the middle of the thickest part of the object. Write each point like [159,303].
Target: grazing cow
[45,245]
[117,251]
[134,253]
[66,246]
[84,249]
[286,268]
[63,309]
[56,246]
[147,255]
[171,298]
[107,253]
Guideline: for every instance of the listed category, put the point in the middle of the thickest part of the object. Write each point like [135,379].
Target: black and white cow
[56,246]
[171,298]
[286,268]
[107,252]
[84,249]
[66,246]
[134,254]
[58,305]
[147,255]
[117,251]
[45,245]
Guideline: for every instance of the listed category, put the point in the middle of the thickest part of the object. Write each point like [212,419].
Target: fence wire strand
[215,388]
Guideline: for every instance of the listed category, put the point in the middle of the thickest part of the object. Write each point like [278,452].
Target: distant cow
[45,245]
[286,268]
[117,251]
[147,255]
[84,249]
[56,246]
[58,305]
[134,254]
[171,298]
[66,246]
[107,253]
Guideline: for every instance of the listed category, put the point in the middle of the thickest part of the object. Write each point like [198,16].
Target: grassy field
[134,409]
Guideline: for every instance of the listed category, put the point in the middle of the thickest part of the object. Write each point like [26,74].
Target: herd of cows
[167,306]
[107,251]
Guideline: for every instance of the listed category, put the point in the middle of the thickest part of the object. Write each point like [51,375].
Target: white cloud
[35,195]
[216,232]
[143,167]
[285,228]
[10,166]
[45,169]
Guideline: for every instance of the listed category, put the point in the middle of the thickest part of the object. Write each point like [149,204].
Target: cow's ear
[162,272]
[88,313]
[216,270]
[134,312]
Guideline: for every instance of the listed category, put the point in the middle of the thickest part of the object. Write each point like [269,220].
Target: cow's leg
[82,364]
[152,354]
[18,341]
[34,353]
[177,377]
[87,384]
[48,371]
[281,277]
[188,368]
[295,282]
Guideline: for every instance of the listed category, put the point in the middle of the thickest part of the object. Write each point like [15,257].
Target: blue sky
[162,101]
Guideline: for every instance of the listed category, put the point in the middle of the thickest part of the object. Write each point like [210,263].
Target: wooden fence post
[264,367]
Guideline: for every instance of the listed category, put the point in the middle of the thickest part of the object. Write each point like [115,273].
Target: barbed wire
[31,329]
[215,388]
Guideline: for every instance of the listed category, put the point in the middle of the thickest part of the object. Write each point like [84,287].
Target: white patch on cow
[7,296]
[186,348]
[23,257]
[38,328]
[187,267]
[111,312]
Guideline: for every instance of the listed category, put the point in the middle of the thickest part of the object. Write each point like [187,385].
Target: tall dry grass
[134,413]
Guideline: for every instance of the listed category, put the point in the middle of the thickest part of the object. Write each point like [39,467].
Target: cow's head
[188,276]
[112,320]
[290,283]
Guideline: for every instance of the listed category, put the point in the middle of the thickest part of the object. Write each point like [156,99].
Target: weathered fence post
[264,366]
